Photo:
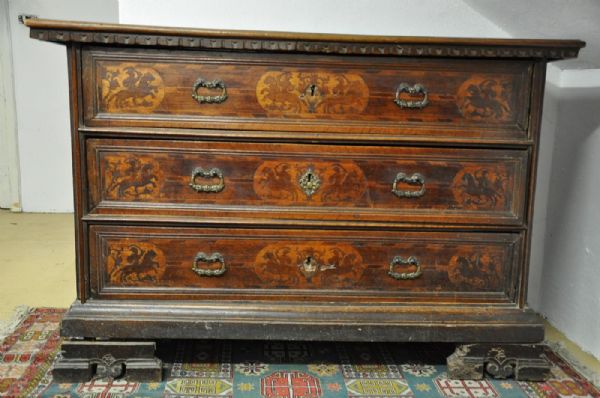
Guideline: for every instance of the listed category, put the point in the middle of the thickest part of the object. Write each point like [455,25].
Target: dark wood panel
[310,265]
[301,93]
[136,319]
[308,181]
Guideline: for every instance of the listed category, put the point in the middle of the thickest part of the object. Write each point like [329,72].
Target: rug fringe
[559,348]
[8,326]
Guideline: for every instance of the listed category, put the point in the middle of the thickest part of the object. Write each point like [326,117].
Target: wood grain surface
[142,88]
[464,186]
[308,265]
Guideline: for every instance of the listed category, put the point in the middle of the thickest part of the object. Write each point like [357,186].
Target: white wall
[41,97]
[9,161]
[566,261]
[385,17]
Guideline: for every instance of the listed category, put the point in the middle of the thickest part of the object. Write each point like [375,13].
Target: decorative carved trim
[318,47]
[108,367]
[83,360]
[523,362]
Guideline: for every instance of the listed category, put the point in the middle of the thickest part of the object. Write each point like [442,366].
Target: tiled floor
[37,269]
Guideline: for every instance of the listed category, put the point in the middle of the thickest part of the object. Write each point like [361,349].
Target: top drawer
[368,97]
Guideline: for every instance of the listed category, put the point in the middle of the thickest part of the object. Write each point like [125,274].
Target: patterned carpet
[269,370]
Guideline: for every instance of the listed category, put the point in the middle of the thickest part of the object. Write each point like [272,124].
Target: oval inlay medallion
[286,264]
[486,99]
[340,183]
[482,271]
[482,187]
[311,94]
[133,264]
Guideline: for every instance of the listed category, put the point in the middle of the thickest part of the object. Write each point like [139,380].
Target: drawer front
[455,98]
[311,265]
[314,182]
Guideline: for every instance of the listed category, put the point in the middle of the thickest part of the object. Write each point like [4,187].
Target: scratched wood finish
[270,264]
[352,183]
[305,93]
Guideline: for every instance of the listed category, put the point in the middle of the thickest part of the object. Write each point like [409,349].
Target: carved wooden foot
[525,362]
[87,360]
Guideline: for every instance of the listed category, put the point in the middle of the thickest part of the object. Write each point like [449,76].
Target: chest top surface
[152,36]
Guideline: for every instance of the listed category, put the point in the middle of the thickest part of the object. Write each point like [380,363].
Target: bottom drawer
[276,264]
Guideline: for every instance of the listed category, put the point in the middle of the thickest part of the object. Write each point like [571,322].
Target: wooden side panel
[365,95]
[308,265]
[307,181]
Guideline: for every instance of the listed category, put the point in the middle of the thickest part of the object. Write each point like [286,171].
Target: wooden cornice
[245,40]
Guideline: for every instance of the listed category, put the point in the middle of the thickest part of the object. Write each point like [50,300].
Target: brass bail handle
[209,99]
[416,179]
[412,90]
[200,172]
[204,258]
[410,261]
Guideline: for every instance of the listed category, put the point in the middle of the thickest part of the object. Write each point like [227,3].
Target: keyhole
[313,88]
[309,177]
[308,260]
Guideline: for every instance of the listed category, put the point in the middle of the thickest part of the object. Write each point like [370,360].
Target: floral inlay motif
[312,93]
[290,265]
[339,183]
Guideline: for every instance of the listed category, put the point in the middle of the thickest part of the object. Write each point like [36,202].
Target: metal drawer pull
[412,90]
[415,179]
[208,99]
[411,261]
[215,257]
[212,173]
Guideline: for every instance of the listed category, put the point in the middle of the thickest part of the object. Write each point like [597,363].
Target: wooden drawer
[221,263]
[312,182]
[458,99]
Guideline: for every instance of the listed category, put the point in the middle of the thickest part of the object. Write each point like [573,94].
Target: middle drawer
[310,182]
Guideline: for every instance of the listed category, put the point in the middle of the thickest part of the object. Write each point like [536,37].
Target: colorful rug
[263,369]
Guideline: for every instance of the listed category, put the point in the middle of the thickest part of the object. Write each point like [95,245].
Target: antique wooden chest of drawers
[268,185]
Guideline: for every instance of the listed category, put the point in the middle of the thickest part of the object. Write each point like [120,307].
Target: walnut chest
[270,185]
